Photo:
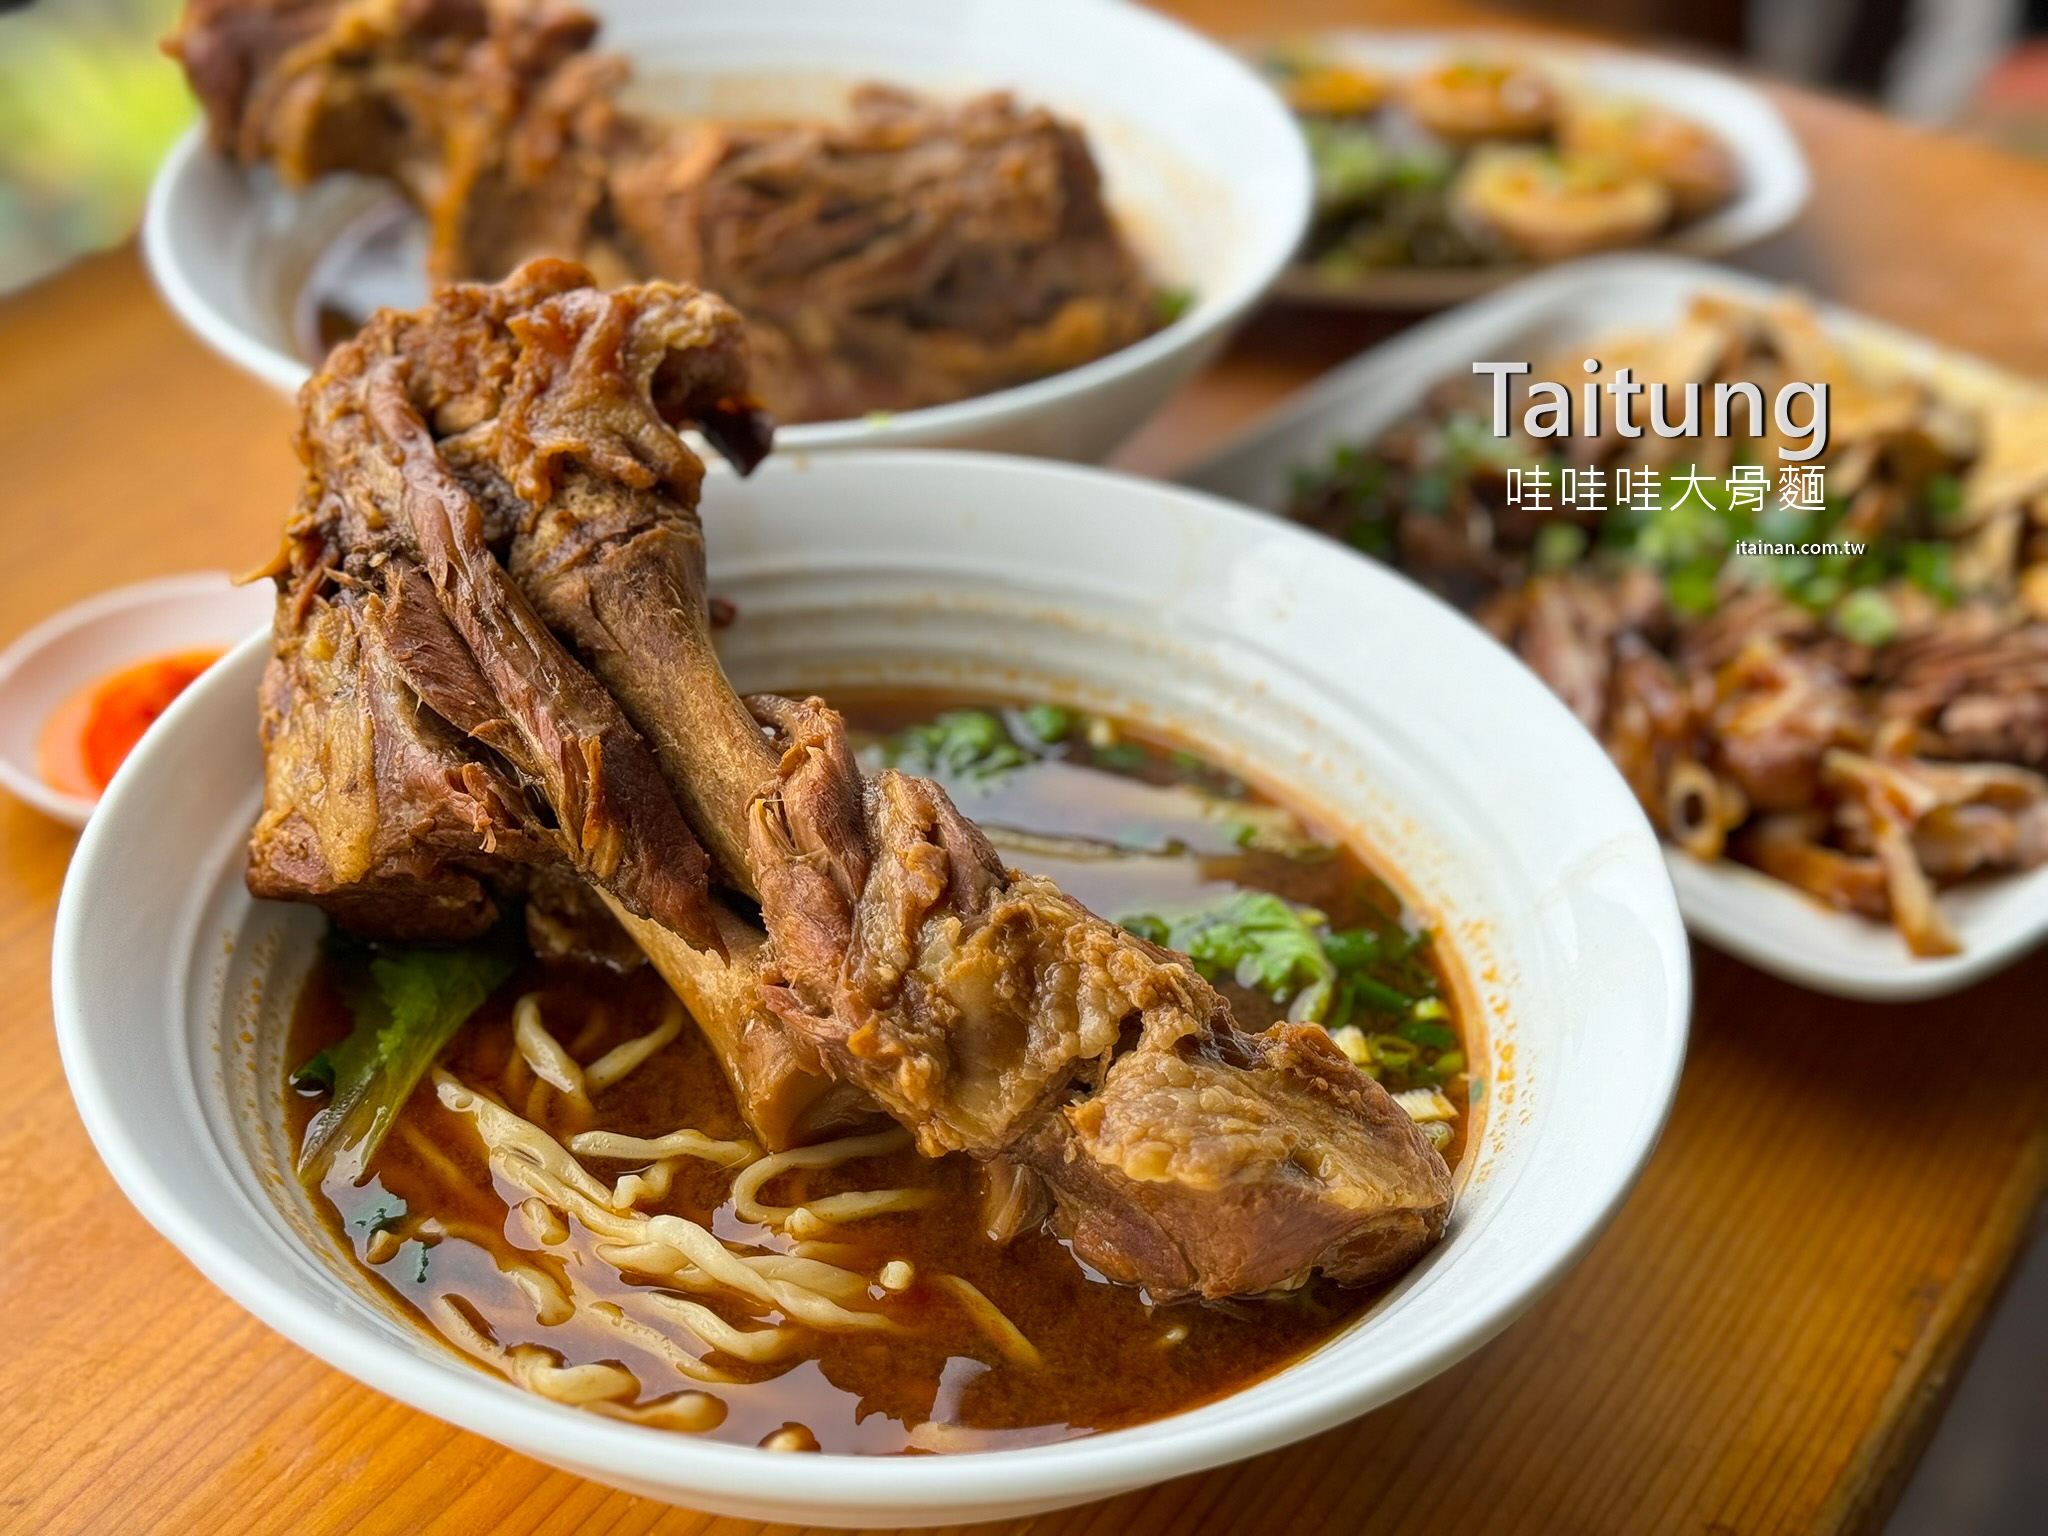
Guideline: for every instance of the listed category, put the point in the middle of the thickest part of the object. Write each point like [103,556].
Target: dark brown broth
[1109,1357]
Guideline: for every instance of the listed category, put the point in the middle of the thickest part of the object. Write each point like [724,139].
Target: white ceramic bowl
[1733,907]
[1294,660]
[1773,181]
[1201,160]
[73,649]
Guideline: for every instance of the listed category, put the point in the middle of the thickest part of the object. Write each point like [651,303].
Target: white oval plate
[1774,186]
[172,986]
[1200,159]
[1764,921]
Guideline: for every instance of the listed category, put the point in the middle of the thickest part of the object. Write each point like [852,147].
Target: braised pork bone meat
[498,502]
[911,255]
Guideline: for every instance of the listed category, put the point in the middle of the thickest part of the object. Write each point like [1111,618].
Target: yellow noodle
[526,1157]
[542,1222]
[826,1279]
[840,1255]
[594,1023]
[648,1184]
[690,1412]
[750,1344]
[433,1157]
[622,1059]
[819,1215]
[551,1304]
[747,1187]
[1007,1337]
[490,1239]
[611,1316]
[456,1325]
[550,1060]
[539,1372]
[503,1130]
[727,1154]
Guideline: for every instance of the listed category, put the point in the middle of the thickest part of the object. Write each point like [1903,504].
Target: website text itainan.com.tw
[1766,547]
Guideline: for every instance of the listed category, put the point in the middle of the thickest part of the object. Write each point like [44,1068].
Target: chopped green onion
[1377,995]
[1393,1052]
[1352,948]
[1439,1037]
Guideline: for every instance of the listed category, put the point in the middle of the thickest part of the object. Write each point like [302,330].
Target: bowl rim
[1258,109]
[1091,1466]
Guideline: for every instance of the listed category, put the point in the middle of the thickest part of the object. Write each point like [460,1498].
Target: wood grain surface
[1759,1343]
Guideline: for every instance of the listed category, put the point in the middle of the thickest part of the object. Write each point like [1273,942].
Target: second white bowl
[1201,161]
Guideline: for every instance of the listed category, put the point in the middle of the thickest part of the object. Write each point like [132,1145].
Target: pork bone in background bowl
[1282,657]
[1202,164]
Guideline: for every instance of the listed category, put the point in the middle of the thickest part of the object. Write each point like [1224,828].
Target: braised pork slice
[911,254]
[512,451]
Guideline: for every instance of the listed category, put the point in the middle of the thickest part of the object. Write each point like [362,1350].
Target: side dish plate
[1733,907]
[1773,180]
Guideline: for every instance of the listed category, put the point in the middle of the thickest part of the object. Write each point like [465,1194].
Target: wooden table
[1761,1342]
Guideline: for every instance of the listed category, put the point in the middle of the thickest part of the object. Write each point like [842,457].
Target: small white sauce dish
[1201,161]
[1244,635]
[68,652]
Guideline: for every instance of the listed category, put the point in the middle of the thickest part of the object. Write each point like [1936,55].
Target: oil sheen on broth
[1137,828]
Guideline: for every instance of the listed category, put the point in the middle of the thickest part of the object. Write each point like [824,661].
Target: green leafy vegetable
[966,747]
[1326,977]
[407,1000]
[1260,941]
[1559,546]
[1121,757]
[1048,722]
[1930,566]
[1352,948]
[1944,497]
[315,1075]
[1352,164]
[1170,303]
[1867,617]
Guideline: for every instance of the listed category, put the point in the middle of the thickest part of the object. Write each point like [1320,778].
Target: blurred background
[88,103]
